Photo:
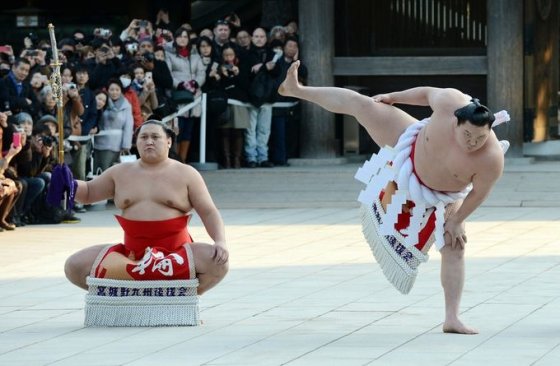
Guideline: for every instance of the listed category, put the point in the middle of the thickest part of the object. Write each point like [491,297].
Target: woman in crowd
[115,126]
[189,74]
[235,81]
[145,88]
[9,191]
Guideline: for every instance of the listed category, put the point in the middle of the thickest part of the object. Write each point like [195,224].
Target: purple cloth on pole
[62,181]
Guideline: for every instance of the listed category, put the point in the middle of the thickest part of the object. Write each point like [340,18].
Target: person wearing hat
[50,121]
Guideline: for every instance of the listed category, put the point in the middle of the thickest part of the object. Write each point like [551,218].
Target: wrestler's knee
[78,265]
[457,252]
[204,260]
[74,270]
[221,269]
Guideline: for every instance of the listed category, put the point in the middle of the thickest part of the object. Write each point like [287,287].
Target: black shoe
[27,219]
[251,164]
[71,219]
[266,164]
[18,222]
[79,209]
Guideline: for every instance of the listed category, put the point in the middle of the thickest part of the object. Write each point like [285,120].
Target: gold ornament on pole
[56,85]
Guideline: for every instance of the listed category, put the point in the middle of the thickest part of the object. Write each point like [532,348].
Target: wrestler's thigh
[451,208]
[83,260]
[449,211]
[383,122]
[203,257]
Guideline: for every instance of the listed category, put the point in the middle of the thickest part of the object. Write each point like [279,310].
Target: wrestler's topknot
[169,132]
[476,113]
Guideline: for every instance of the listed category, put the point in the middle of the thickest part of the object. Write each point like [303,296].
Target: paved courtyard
[303,288]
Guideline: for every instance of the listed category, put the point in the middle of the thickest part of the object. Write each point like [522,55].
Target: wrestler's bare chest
[153,190]
[441,165]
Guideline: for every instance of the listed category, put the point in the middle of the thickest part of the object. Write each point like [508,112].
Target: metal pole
[56,85]
[203,130]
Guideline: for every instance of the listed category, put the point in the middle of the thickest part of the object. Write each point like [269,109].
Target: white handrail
[198,100]
[202,100]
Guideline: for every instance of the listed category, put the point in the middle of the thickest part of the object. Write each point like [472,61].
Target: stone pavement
[303,288]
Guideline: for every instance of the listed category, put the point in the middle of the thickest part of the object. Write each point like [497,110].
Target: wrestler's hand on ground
[290,85]
[383,98]
[456,232]
[221,254]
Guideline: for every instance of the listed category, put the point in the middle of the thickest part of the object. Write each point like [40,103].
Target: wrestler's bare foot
[290,85]
[456,326]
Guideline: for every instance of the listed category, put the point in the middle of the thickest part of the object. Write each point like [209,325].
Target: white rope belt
[395,164]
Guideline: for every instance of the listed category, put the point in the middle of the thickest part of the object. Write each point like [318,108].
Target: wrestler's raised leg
[383,122]
[208,272]
[452,280]
[78,265]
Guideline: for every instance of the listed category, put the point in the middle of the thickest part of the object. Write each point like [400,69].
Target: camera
[31,53]
[229,69]
[132,47]
[149,57]
[69,86]
[143,23]
[47,140]
[105,33]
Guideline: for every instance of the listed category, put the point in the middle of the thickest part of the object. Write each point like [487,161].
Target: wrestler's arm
[482,183]
[203,204]
[97,189]
[439,99]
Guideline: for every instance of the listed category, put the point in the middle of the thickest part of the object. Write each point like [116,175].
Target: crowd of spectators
[112,83]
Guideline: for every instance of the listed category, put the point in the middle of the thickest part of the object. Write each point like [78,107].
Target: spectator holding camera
[130,52]
[31,164]
[235,82]
[138,29]
[145,88]
[37,61]
[188,74]
[105,65]
[89,117]
[162,19]
[162,36]
[161,76]
[67,48]
[216,101]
